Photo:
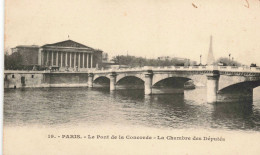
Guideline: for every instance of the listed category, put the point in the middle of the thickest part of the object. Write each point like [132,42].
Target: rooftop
[27,46]
[67,43]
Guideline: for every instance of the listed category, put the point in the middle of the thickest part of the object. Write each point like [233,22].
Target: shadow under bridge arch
[172,85]
[130,82]
[242,91]
[101,81]
[240,87]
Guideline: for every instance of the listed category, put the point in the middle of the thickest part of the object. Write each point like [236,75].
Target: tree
[13,61]
[228,62]
[133,61]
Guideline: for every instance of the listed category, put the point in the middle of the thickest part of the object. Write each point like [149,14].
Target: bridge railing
[242,69]
[154,68]
[177,68]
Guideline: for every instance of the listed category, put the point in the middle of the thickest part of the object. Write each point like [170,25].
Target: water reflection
[98,106]
[235,115]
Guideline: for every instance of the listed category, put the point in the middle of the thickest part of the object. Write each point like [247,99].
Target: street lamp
[200,59]
[229,59]
[118,59]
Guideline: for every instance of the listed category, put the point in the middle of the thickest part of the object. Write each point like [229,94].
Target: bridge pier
[148,84]
[90,80]
[212,87]
[112,82]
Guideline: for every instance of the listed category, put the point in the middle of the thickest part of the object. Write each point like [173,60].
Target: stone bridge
[222,82]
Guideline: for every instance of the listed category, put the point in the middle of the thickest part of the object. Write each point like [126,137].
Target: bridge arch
[240,92]
[122,76]
[96,76]
[130,79]
[240,87]
[173,82]
[160,77]
[101,80]
[231,82]
[130,82]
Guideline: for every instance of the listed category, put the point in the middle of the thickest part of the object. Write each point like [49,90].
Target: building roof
[27,46]
[67,43]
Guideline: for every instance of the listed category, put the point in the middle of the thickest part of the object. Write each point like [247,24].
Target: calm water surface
[97,107]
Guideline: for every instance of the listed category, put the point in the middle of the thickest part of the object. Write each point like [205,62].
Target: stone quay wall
[38,79]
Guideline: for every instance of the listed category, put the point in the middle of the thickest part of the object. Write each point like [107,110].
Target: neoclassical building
[66,54]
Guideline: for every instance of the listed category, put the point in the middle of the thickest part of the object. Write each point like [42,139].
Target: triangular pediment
[67,44]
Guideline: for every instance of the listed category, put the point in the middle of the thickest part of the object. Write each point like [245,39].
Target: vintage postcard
[131,77]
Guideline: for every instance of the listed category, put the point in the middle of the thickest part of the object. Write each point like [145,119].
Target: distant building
[65,54]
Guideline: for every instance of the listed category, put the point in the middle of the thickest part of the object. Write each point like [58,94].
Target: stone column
[47,60]
[212,87]
[91,60]
[40,57]
[148,83]
[90,80]
[113,82]
[66,61]
[61,57]
[87,60]
[83,61]
[57,58]
[79,61]
[52,58]
[74,60]
[70,60]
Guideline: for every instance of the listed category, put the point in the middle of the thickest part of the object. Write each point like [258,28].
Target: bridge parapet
[157,68]
[235,68]
[222,69]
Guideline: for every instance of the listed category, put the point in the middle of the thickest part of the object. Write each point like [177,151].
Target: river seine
[86,107]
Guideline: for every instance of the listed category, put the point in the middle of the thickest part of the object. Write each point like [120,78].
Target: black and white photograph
[131,77]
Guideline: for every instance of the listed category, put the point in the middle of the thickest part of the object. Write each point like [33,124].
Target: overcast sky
[142,28]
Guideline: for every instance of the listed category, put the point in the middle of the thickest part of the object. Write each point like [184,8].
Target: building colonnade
[65,58]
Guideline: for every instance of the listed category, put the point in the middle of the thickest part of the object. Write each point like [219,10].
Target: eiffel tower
[211,59]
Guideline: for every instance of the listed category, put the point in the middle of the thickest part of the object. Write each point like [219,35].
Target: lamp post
[229,59]
[200,59]
[118,59]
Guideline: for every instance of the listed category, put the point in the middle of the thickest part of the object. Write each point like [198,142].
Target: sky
[147,28]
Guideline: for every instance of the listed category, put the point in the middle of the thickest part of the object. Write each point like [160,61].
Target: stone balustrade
[145,68]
